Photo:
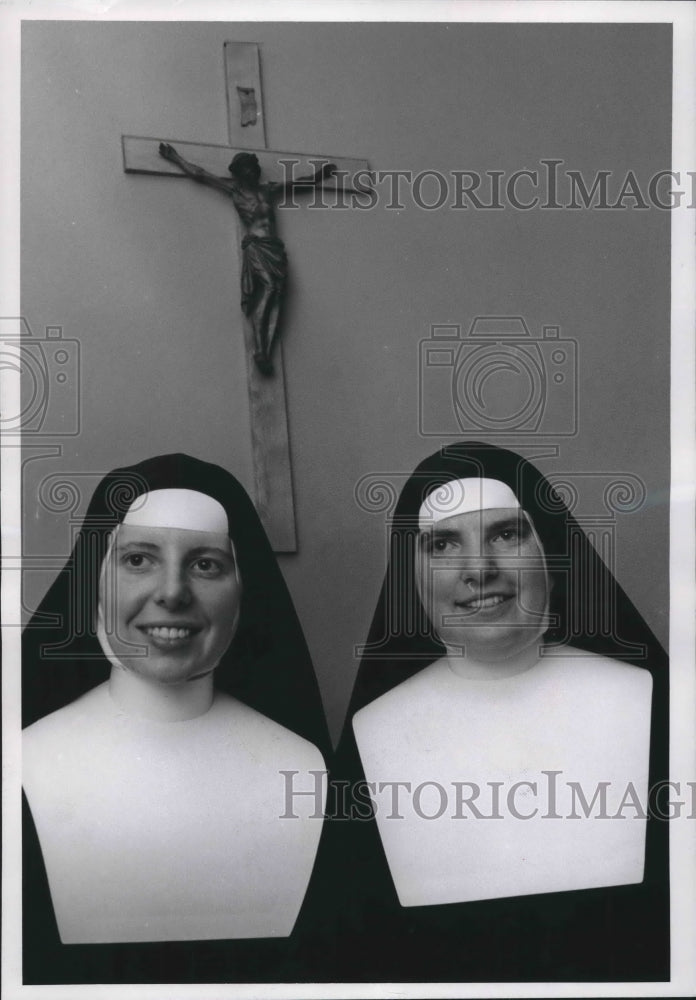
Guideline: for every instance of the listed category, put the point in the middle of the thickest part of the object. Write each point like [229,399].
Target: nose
[173,589]
[478,570]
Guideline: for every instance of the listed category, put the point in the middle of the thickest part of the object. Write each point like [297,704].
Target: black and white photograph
[348,489]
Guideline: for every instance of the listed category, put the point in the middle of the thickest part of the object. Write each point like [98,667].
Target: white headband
[178,509]
[462,496]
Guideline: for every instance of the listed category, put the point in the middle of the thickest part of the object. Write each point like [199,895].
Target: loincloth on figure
[264,262]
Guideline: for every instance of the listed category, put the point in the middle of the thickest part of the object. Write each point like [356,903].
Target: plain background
[143,272]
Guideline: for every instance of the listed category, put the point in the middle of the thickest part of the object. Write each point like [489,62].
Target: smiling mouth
[169,634]
[478,603]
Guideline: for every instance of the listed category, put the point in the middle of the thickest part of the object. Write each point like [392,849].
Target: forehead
[171,539]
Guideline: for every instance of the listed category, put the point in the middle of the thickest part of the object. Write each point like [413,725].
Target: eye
[507,535]
[208,567]
[510,535]
[438,545]
[136,560]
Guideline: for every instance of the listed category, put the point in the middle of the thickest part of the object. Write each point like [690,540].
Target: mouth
[169,636]
[481,603]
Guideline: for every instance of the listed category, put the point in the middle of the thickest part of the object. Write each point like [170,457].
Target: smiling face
[173,594]
[483,582]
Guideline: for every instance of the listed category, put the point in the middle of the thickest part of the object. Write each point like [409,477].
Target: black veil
[267,666]
[614,934]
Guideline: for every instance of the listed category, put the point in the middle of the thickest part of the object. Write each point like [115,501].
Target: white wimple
[462,496]
[175,508]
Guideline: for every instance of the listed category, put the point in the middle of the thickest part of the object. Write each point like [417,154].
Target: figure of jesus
[264,260]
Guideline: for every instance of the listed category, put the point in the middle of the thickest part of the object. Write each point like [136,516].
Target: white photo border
[683,421]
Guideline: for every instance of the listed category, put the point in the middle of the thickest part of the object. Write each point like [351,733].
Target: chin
[168,673]
[491,646]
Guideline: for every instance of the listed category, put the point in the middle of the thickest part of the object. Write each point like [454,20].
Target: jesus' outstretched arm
[192,170]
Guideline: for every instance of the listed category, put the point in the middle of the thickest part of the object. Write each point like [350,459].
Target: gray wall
[143,272]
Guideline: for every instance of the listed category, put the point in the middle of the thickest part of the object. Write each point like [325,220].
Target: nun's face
[172,593]
[483,582]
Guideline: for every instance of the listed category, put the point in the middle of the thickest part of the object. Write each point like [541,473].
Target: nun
[167,692]
[508,722]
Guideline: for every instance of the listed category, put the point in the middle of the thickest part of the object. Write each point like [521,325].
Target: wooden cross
[269,426]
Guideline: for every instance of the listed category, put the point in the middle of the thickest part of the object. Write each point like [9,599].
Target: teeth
[487,602]
[169,633]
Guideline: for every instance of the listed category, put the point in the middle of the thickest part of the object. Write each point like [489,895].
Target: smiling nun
[505,675]
[157,790]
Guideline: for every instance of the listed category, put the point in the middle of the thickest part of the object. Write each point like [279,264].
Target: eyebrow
[197,551]
[205,549]
[513,521]
[446,533]
[510,521]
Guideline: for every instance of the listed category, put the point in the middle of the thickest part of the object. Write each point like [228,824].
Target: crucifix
[236,170]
